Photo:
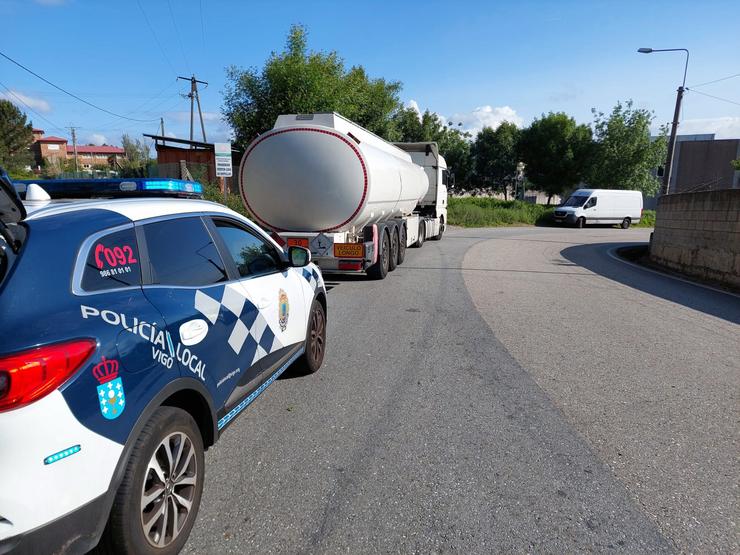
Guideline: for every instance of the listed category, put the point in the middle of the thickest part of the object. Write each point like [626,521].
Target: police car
[133,330]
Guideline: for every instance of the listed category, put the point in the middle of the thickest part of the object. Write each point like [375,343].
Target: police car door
[202,304]
[278,333]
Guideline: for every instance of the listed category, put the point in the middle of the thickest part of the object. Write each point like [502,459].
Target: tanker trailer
[354,200]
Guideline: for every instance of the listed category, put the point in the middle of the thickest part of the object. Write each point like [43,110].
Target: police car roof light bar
[113,188]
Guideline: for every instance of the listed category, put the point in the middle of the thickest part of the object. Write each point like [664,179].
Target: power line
[715,97]
[202,26]
[69,93]
[156,39]
[715,81]
[19,99]
[179,39]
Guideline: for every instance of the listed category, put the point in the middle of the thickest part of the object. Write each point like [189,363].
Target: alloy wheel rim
[169,488]
[317,336]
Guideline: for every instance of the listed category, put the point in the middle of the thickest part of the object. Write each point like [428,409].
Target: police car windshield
[576,201]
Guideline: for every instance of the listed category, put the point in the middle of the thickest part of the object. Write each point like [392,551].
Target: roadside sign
[223,159]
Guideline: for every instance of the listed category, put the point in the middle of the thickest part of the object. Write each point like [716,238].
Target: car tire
[315,344]
[380,269]
[393,258]
[422,235]
[626,223]
[581,223]
[401,245]
[170,444]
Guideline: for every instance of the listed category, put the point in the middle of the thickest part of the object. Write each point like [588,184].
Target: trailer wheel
[393,258]
[402,245]
[422,235]
[380,269]
[438,237]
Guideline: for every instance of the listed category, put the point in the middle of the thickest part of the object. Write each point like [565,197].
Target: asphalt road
[505,390]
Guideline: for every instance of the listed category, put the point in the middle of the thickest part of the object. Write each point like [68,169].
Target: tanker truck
[354,200]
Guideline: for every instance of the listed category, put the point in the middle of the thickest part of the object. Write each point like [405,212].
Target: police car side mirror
[298,257]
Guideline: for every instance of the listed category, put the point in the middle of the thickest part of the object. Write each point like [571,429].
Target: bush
[648,219]
[492,212]
[212,192]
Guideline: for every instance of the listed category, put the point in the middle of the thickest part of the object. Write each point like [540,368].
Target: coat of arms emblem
[111,397]
[283,310]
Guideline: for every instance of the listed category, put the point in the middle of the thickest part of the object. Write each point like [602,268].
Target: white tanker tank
[323,173]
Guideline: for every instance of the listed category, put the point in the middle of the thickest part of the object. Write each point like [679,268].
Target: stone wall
[698,234]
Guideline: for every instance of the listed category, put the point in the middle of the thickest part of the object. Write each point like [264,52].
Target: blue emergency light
[114,187]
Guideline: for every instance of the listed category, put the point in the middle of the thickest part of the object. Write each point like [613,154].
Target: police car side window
[112,262]
[181,252]
[252,255]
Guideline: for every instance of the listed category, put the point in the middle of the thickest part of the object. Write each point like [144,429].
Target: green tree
[736,164]
[409,126]
[495,156]
[16,136]
[556,152]
[301,81]
[137,157]
[624,155]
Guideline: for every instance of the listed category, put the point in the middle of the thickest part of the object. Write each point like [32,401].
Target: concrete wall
[698,234]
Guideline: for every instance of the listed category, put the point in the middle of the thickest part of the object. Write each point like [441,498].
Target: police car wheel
[315,346]
[157,502]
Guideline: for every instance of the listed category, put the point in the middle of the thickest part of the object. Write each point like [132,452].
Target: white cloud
[724,128]
[486,116]
[24,101]
[96,139]
[414,105]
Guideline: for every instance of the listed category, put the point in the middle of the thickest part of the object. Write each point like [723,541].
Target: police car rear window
[112,262]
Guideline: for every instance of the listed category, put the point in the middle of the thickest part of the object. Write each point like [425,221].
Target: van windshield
[576,200]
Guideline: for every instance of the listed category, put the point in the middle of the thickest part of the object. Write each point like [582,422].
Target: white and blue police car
[134,328]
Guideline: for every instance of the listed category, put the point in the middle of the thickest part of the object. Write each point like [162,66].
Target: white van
[600,206]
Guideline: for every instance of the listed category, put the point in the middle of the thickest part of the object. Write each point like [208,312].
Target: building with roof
[56,151]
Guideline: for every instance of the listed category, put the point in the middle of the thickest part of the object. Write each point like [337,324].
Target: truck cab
[434,202]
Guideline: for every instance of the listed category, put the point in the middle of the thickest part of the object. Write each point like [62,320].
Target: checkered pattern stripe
[251,337]
[312,277]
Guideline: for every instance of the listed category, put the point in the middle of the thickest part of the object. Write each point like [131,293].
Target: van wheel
[422,235]
[393,258]
[626,223]
[402,245]
[157,502]
[581,223]
[380,269]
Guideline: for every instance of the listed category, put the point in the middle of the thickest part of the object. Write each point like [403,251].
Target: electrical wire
[202,26]
[19,99]
[715,97]
[156,38]
[179,38]
[71,94]
[715,81]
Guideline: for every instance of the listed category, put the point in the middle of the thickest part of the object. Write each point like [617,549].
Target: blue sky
[472,62]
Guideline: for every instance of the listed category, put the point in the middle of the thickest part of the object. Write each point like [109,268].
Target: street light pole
[674,126]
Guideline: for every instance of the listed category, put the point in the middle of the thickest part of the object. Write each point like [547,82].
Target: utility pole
[194,97]
[161,124]
[671,144]
[74,147]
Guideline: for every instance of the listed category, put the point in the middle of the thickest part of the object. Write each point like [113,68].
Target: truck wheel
[315,346]
[402,246]
[626,223]
[438,237]
[422,235]
[380,269]
[157,502]
[393,259]
[581,223]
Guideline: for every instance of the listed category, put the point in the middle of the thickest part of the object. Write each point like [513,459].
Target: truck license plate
[349,250]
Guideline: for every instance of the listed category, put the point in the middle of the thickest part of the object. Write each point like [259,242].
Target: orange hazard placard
[349,250]
[298,242]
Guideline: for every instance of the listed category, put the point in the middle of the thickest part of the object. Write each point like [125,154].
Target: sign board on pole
[223,159]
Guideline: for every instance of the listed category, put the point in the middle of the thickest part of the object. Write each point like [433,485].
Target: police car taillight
[28,376]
